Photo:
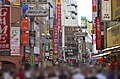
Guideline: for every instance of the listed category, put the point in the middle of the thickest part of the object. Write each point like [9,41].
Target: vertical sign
[106,10]
[94,9]
[57,26]
[5,28]
[98,34]
[25,39]
[94,44]
[56,39]
[25,24]
[94,15]
[15,40]
[59,14]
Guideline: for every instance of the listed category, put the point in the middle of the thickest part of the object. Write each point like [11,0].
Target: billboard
[106,10]
[94,9]
[98,34]
[56,36]
[5,27]
[25,24]
[113,36]
[94,44]
[115,9]
[94,15]
[15,40]
[25,39]
[58,10]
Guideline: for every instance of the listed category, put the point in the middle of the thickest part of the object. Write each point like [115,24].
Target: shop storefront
[113,42]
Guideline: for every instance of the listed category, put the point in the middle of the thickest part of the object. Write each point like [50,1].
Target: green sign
[32,60]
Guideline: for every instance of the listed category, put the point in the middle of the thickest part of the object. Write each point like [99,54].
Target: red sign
[94,8]
[59,16]
[25,24]
[56,34]
[5,28]
[25,38]
[98,34]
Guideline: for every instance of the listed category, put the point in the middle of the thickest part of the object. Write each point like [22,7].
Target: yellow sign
[113,36]
[115,9]
[58,1]
[17,3]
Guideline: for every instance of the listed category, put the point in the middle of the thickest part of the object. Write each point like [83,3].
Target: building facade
[69,26]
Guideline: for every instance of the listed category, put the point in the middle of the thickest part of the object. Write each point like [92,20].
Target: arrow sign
[80,34]
[40,13]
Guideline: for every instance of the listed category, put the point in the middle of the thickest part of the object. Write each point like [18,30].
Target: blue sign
[24,8]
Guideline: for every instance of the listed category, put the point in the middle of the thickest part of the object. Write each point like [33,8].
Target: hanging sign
[5,28]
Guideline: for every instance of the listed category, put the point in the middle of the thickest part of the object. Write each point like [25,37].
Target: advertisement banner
[15,40]
[25,39]
[115,9]
[94,44]
[5,28]
[113,36]
[98,34]
[59,14]
[56,35]
[25,24]
[94,9]
[36,50]
[106,10]
[59,1]
[94,15]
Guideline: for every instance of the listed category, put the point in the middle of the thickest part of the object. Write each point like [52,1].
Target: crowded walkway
[104,71]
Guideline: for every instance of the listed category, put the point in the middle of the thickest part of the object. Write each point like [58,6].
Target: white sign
[15,40]
[37,12]
[94,45]
[36,50]
[106,10]
[94,9]
[81,34]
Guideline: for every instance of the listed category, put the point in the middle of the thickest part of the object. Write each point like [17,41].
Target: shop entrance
[7,66]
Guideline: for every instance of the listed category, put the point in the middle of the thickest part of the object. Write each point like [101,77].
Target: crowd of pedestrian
[62,72]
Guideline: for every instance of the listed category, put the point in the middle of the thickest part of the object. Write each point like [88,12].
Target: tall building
[69,26]
[69,13]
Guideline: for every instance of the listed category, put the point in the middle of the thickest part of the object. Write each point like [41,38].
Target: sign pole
[32,41]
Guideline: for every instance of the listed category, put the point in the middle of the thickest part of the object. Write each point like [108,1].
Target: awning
[107,49]
[100,55]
